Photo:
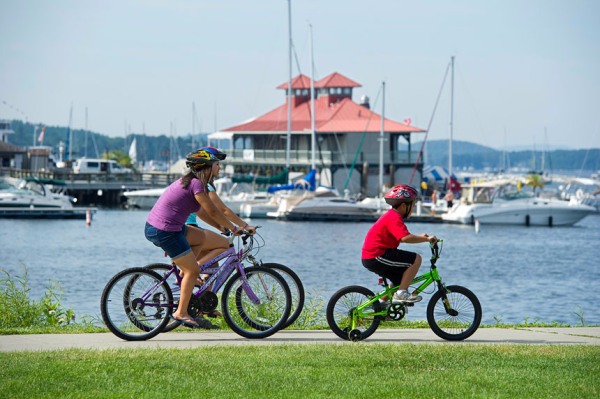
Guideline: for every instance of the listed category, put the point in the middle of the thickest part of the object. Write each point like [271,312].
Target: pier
[99,189]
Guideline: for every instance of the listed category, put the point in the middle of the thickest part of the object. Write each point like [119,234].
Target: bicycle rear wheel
[162,269]
[256,320]
[126,314]
[463,318]
[296,290]
[341,306]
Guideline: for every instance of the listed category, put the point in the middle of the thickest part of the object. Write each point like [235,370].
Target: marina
[516,272]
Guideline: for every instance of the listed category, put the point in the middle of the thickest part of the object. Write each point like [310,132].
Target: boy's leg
[410,273]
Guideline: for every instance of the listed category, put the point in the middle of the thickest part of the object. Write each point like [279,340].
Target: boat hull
[532,213]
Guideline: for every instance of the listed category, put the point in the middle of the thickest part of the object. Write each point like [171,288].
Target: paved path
[191,339]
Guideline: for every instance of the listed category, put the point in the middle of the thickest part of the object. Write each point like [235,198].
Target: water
[517,272]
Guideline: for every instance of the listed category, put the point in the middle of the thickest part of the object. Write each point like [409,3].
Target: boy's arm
[413,239]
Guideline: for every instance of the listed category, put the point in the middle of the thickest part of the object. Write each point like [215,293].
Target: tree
[535,181]
[119,156]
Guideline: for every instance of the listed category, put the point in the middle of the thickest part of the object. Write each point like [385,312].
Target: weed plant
[19,312]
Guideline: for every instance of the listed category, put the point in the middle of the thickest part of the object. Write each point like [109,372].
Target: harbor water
[518,272]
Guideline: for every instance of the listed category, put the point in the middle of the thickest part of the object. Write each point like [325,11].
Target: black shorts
[391,264]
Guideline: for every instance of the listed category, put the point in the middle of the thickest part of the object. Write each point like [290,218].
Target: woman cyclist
[166,228]
[215,244]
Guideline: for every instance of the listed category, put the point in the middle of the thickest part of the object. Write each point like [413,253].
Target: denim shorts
[172,242]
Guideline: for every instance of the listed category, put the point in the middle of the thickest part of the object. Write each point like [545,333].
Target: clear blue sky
[520,65]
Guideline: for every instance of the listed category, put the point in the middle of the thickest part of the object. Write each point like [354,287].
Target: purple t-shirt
[175,205]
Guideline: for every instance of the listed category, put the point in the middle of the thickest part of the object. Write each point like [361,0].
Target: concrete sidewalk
[194,339]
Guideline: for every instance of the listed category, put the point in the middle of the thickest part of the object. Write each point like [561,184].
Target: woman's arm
[229,214]
[202,214]
[212,211]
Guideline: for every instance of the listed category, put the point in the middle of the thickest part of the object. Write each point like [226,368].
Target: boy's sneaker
[404,297]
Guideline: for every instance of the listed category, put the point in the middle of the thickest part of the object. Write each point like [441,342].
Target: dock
[45,213]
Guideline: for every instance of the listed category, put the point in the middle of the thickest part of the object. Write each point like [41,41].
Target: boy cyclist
[380,253]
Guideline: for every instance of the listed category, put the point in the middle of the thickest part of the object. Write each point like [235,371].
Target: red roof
[343,116]
[336,80]
[333,80]
[299,82]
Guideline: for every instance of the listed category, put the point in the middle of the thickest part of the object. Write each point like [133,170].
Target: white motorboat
[324,204]
[143,199]
[32,193]
[501,202]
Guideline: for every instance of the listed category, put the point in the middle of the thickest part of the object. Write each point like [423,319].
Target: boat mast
[544,149]
[86,132]
[289,119]
[70,137]
[193,125]
[451,127]
[381,136]
[312,101]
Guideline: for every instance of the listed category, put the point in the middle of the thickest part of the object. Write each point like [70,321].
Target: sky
[526,72]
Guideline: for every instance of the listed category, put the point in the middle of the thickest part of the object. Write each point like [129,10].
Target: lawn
[304,371]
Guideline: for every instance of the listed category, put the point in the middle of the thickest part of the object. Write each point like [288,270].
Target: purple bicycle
[256,301]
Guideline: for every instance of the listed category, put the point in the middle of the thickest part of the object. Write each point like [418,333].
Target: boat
[32,198]
[233,194]
[503,202]
[324,204]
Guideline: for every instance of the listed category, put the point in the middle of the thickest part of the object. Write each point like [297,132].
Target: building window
[247,143]
[239,143]
[298,91]
[339,90]
[347,90]
[332,90]
[305,92]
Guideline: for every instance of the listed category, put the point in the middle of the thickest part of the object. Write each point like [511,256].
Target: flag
[41,138]
[133,152]
[407,121]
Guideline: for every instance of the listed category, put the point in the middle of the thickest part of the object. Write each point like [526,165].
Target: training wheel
[355,335]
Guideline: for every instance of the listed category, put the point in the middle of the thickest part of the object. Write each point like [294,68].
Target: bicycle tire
[342,303]
[123,315]
[296,290]
[454,327]
[241,314]
[163,269]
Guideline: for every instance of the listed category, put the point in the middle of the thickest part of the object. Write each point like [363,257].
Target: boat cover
[309,182]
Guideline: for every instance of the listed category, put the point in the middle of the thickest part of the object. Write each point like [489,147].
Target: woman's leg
[214,246]
[188,265]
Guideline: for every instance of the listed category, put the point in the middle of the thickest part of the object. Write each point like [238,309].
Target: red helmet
[401,193]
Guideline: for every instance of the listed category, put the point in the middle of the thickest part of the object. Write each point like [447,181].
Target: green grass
[307,371]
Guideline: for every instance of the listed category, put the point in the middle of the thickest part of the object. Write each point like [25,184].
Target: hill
[466,155]
[149,147]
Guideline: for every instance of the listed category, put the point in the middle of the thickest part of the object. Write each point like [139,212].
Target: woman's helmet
[202,157]
[400,194]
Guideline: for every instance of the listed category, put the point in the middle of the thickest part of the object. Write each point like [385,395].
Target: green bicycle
[453,313]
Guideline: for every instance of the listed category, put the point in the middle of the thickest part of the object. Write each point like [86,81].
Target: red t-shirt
[385,234]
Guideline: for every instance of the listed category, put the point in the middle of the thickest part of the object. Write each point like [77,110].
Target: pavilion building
[259,145]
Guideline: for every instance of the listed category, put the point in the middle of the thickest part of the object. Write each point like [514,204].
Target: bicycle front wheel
[296,290]
[341,306]
[256,306]
[461,320]
[136,304]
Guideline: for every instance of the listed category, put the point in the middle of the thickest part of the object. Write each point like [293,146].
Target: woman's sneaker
[404,297]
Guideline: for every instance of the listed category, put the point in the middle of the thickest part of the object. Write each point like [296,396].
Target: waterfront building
[259,145]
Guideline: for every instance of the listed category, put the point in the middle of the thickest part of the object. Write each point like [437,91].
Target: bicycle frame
[427,279]
[219,275]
